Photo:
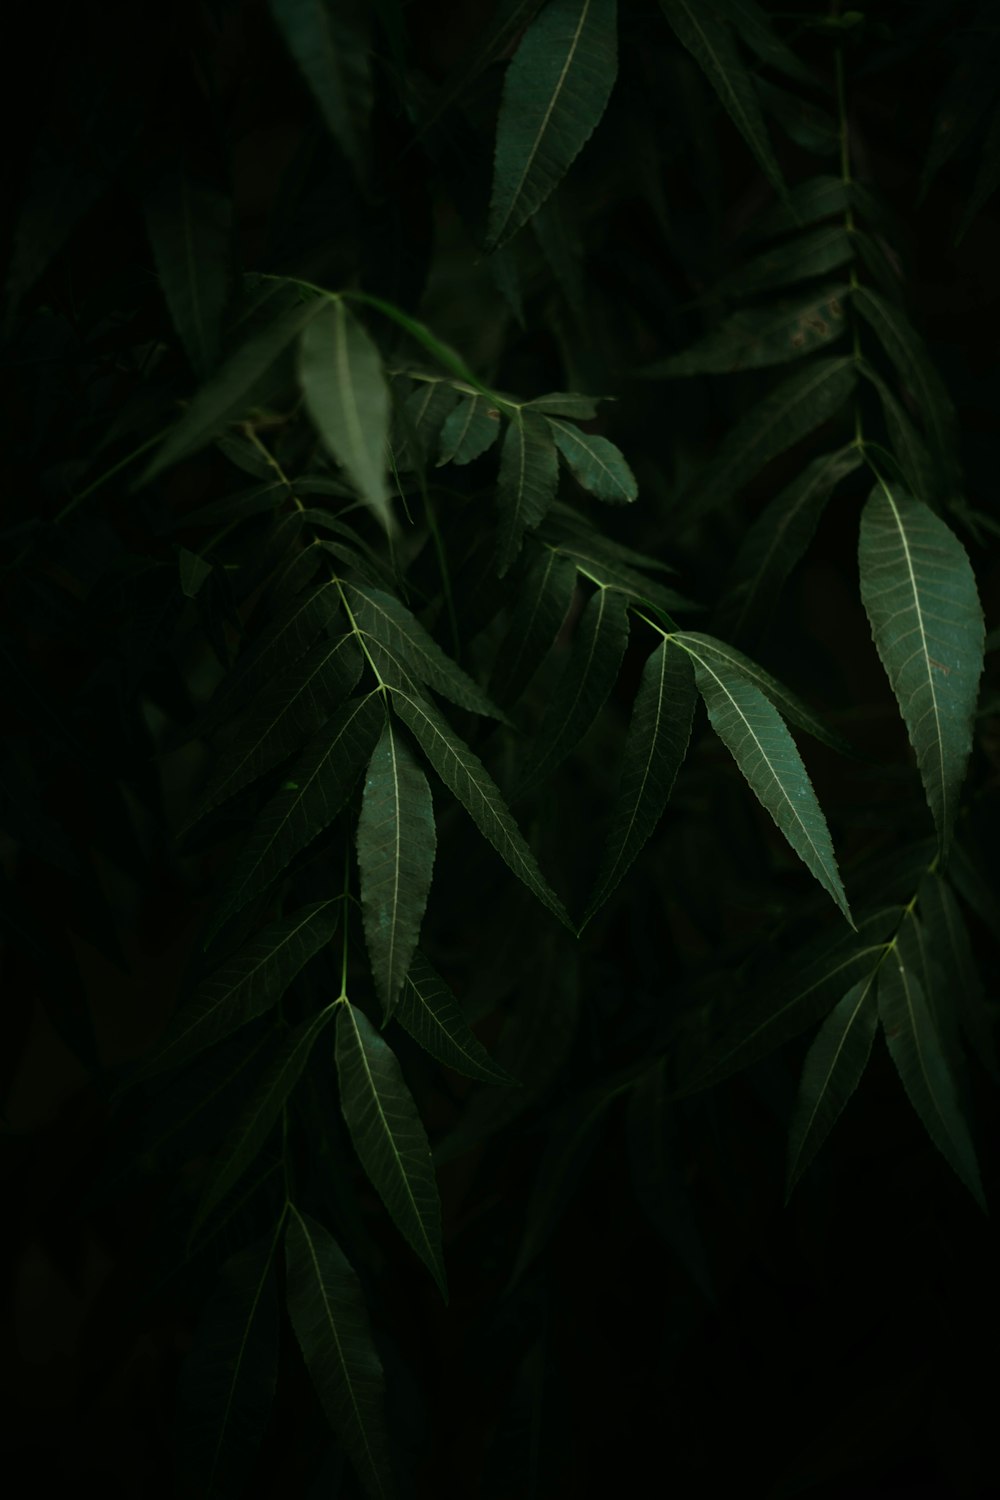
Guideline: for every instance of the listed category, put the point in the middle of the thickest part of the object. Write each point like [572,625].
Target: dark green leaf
[327,1310]
[543,600]
[326,44]
[831,1072]
[806,203]
[193,570]
[567,404]
[908,447]
[388,1135]
[527,481]
[555,92]
[950,942]
[428,1010]
[815,253]
[756,337]
[916,1050]
[654,751]
[595,463]
[190,228]
[753,25]
[471,428]
[814,129]
[920,594]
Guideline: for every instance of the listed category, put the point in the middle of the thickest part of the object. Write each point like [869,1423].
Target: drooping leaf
[233,389]
[396,846]
[753,25]
[245,1141]
[916,1050]
[587,679]
[707,37]
[526,485]
[949,940]
[190,227]
[326,1307]
[465,776]
[807,203]
[290,708]
[603,565]
[385,620]
[388,1135]
[657,742]
[757,337]
[715,653]
[555,92]
[469,429]
[333,56]
[908,447]
[345,391]
[246,984]
[805,123]
[595,463]
[780,535]
[318,785]
[193,572]
[906,349]
[920,595]
[227,1381]
[817,252]
[543,599]
[795,408]
[831,1072]
[753,732]
[567,404]
[428,1010]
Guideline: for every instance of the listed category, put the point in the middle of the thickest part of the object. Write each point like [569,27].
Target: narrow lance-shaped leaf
[388,1135]
[392,625]
[753,25]
[756,337]
[227,1381]
[950,942]
[428,1010]
[555,92]
[765,752]
[908,447]
[806,203]
[831,1072]
[595,463]
[916,1051]
[567,404]
[706,36]
[815,253]
[318,785]
[920,594]
[465,776]
[327,1310]
[346,394]
[526,486]
[542,602]
[249,1135]
[190,227]
[396,846]
[333,58]
[797,407]
[587,679]
[657,742]
[247,984]
[782,532]
[469,429]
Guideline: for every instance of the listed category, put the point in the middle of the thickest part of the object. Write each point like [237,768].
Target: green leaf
[567,404]
[190,229]
[508,20]
[246,984]
[795,408]
[814,129]
[919,592]
[908,447]
[383,619]
[706,36]
[233,390]
[753,25]
[757,337]
[428,1010]
[555,92]
[526,486]
[831,1072]
[765,752]
[815,253]
[916,1051]
[595,463]
[657,742]
[470,783]
[421,419]
[346,395]
[326,1307]
[290,708]
[806,203]
[227,1381]
[396,845]
[780,535]
[193,570]
[603,566]
[471,428]
[333,59]
[388,1136]
[719,654]
[541,604]
[246,1140]
[587,679]
[950,942]
[906,350]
